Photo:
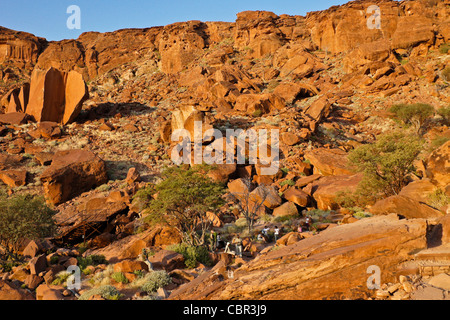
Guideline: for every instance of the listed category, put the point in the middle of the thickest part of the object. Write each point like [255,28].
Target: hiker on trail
[237,241]
[261,238]
[299,229]
[219,242]
[213,240]
[265,231]
[308,222]
[276,233]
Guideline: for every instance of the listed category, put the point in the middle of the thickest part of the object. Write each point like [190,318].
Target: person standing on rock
[213,241]
[308,222]
[276,233]
[237,241]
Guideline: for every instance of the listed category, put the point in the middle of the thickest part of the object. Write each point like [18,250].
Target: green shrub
[438,141]
[83,248]
[413,114]
[7,266]
[287,182]
[61,278]
[155,280]
[287,220]
[385,164]
[23,216]
[107,292]
[444,112]
[266,218]
[119,277]
[319,213]
[92,260]
[54,260]
[446,74]
[139,273]
[438,199]
[185,190]
[102,278]
[192,255]
[362,214]
[257,113]
[241,223]
[444,48]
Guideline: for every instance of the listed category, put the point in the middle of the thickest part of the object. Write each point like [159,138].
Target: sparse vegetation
[153,280]
[287,182]
[21,217]
[444,112]
[192,254]
[185,195]
[61,278]
[92,260]
[444,48]
[438,199]
[107,292]
[119,277]
[413,114]
[249,204]
[446,74]
[385,164]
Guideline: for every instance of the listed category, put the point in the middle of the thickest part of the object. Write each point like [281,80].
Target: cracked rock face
[331,265]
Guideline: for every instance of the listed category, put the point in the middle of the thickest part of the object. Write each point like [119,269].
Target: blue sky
[47,18]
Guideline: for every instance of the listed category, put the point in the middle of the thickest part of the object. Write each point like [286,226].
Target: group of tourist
[216,242]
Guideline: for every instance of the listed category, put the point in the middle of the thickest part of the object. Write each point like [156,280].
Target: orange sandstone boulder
[71,173]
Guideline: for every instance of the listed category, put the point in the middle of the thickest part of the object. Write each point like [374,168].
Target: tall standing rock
[47,95]
[14,103]
[76,93]
[54,95]
[24,96]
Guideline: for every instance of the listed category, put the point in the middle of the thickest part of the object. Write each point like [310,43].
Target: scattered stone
[14,178]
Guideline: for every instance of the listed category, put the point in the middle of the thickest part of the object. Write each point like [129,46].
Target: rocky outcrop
[9,291]
[328,161]
[326,189]
[405,207]
[71,173]
[344,28]
[438,166]
[179,44]
[19,48]
[331,265]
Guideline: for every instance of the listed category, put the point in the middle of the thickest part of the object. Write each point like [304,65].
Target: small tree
[183,199]
[444,112]
[23,217]
[248,203]
[386,163]
[413,114]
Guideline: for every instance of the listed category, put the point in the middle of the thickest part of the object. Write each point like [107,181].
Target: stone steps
[439,253]
[434,261]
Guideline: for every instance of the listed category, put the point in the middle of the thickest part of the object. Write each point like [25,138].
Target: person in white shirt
[276,233]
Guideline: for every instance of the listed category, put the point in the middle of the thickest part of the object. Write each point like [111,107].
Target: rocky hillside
[87,123]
